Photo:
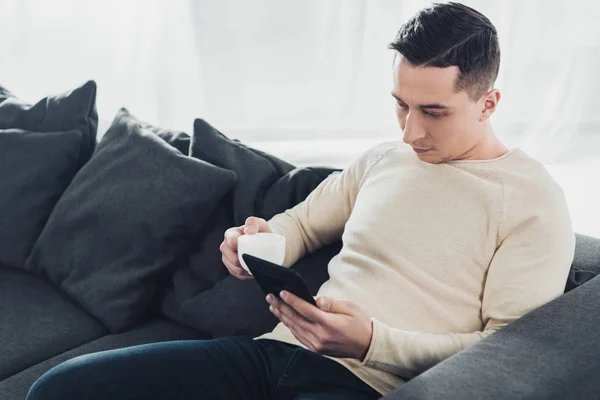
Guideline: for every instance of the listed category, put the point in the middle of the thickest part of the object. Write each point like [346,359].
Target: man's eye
[401,105]
[434,115]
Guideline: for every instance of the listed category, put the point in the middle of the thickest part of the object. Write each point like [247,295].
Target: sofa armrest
[552,352]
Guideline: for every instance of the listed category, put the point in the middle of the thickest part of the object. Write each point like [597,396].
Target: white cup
[265,245]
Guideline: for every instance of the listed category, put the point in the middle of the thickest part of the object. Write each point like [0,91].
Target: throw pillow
[125,220]
[4,93]
[265,186]
[180,140]
[242,307]
[75,109]
[36,168]
[255,170]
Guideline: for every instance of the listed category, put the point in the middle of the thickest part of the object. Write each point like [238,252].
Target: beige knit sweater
[440,255]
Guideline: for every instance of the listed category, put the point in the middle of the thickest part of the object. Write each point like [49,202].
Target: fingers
[302,307]
[232,263]
[289,316]
[254,225]
[230,255]
[302,329]
[238,272]
[231,237]
[251,226]
[229,247]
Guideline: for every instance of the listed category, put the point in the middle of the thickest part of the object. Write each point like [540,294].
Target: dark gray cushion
[552,353]
[587,253]
[242,307]
[586,263]
[74,109]
[36,168]
[155,330]
[265,186]
[292,188]
[37,321]
[202,268]
[180,140]
[123,222]
[255,170]
[5,93]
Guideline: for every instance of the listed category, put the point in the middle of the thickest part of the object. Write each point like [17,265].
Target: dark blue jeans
[235,367]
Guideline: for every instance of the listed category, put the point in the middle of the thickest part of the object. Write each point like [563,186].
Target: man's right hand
[229,247]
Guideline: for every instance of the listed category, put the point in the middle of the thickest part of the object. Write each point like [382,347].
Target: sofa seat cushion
[38,321]
[154,330]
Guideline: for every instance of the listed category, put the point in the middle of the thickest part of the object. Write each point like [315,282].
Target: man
[442,246]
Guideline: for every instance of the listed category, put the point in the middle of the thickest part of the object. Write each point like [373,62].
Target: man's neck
[487,149]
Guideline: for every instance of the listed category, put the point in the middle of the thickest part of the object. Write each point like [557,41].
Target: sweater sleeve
[528,269]
[320,219]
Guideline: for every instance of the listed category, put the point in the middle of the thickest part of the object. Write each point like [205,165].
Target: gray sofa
[551,353]
[112,242]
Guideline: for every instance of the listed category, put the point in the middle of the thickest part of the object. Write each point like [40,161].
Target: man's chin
[430,159]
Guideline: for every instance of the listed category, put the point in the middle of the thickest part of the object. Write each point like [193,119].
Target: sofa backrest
[587,253]
[586,262]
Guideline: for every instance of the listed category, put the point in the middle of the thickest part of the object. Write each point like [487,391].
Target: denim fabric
[235,367]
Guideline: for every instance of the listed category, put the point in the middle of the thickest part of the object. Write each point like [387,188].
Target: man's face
[432,115]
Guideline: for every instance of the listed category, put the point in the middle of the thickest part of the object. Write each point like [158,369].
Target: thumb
[335,306]
[254,225]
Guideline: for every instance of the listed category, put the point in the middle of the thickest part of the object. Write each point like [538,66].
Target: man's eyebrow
[433,105]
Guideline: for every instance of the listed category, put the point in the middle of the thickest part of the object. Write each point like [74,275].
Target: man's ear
[490,102]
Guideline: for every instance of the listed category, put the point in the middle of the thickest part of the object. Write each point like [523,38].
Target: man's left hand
[336,328]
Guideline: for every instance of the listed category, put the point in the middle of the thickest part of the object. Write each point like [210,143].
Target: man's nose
[413,129]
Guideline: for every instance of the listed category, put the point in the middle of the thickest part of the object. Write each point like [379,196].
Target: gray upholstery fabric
[123,222]
[180,140]
[551,353]
[241,303]
[202,267]
[155,330]
[5,93]
[265,186]
[587,253]
[36,168]
[74,109]
[37,322]
[586,263]
[255,170]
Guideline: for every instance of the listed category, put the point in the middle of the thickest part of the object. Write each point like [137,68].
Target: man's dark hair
[447,34]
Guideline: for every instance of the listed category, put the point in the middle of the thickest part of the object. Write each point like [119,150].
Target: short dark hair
[448,34]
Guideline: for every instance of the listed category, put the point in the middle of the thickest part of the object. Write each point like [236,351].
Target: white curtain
[141,53]
[291,69]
